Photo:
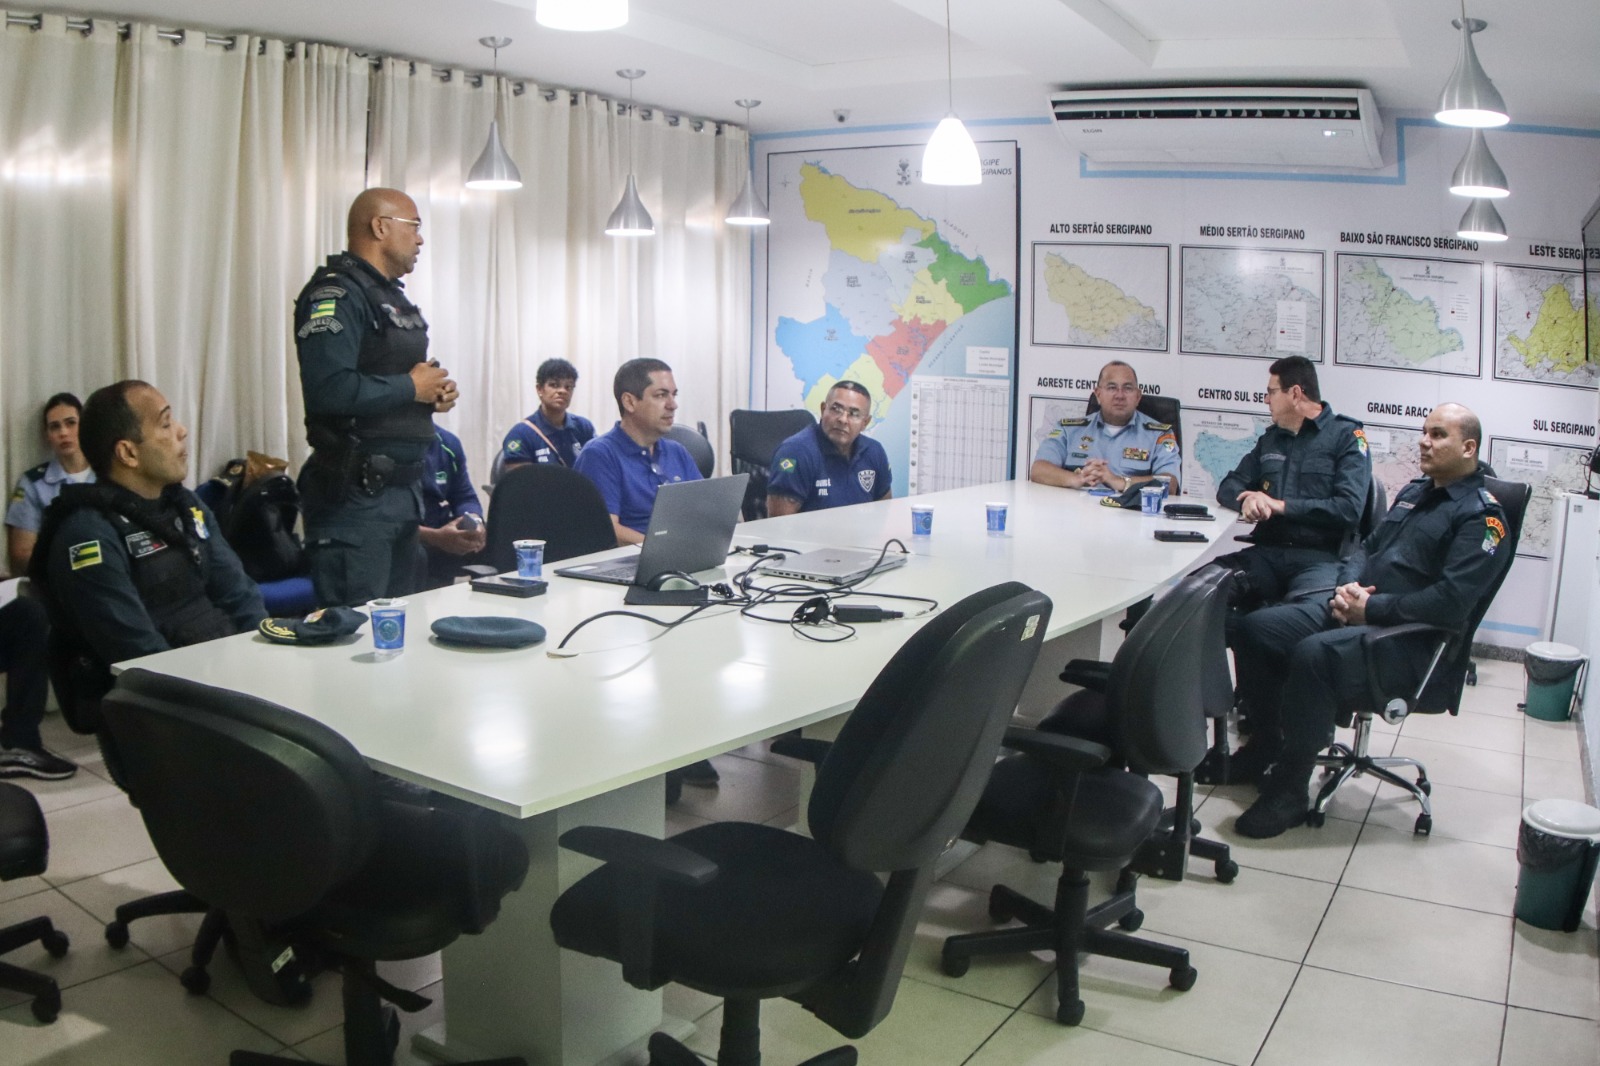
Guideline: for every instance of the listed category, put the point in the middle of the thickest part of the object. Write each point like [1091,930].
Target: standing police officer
[370,395]
[1113,447]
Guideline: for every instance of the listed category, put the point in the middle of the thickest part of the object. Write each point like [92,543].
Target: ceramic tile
[1536,1039]
[1261,912]
[1469,730]
[92,838]
[1456,873]
[928,1026]
[1410,942]
[1004,979]
[1555,972]
[1492,700]
[139,1017]
[1319,853]
[59,737]
[287,1025]
[687,1004]
[1561,741]
[82,787]
[88,955]
[1500,673]
[1225,1016]
[157,935]
[996,864]
[750,791]
[1553,779]
[1457,764]
[680,820]
[1354,798]
[1029,1040]
[22,886]
[413,973]
[1398,1024]
[1458,813]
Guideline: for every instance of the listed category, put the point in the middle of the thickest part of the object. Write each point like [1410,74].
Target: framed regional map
[1045,414]
[1251,302]
[909,289]
[1215,442]
[1538,326]
[1550,469]
[1402,313]
[1396,460]
[1101,295]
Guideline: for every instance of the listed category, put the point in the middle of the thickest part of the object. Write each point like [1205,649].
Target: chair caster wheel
[1227,870]
[45,1007]
[117,934]
[1424,826]
[1070,1013]
[999,909]
[1426,786]
[1316,819]
[196,980]
[1183,978]
[954,965]
[1131,921]
[55,942]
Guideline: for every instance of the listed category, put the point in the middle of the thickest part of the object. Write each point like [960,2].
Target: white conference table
[560,742]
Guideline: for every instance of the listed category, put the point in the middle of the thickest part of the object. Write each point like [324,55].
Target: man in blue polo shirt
[632,461]
[551,434]
[830,464]
[447,536]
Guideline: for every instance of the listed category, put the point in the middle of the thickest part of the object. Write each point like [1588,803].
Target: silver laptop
[691,527]
[833,566]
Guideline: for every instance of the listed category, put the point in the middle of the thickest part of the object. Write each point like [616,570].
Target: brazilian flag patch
[785,464]
[85,554]
[322,309]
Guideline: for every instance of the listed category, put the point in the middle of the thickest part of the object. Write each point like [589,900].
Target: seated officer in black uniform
[370,394]
[1430,560]
[133,564]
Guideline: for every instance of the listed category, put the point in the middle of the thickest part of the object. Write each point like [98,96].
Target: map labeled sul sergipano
[1101,295]
[1538,326]
[1550,469]
[1403,313]
[1251,302]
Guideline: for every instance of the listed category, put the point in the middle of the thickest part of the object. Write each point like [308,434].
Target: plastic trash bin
[1552,672]
[1557,848]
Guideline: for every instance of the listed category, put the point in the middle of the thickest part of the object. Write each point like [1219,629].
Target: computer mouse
[670,583]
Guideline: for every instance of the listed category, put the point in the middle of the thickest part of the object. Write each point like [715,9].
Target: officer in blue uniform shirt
[1114,447]
[631,462]
[370,395]
[447,535]
[1430,560]
[37,487]
[552,434]
[830,464]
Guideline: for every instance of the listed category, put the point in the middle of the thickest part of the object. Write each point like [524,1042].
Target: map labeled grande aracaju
[875,277]
[1101,295]
[1213,444]
[1252,302]
[1538,326]
[1402,313]
[1550,469]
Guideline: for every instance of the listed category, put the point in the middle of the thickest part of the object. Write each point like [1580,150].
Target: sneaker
[34,762]
[1274,811]
[701,773]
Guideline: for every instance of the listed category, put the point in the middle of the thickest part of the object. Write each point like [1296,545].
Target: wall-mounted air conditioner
[1252,125]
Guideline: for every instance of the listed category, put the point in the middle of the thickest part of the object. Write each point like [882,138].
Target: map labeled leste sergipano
[1251,302]
[1404,313]
[1101,295]
[1538,326]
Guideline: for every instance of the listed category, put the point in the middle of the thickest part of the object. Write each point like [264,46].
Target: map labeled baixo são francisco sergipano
[1101,295]
[1539,327]
[1403,313]
[1251,302]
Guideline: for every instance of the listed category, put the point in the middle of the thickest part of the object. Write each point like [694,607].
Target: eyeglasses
[414,222]
[839,410]
[1114,388]
[1273,390]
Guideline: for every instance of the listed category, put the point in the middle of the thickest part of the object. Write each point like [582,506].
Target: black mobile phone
[1182,536]
[1186,510]
[510,585]
[1193,517]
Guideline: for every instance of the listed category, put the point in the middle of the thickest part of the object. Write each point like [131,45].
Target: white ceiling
[884,59]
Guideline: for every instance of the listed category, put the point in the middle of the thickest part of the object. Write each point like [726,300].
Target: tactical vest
[395,340]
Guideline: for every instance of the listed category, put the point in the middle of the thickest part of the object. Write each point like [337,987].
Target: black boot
[1282,804]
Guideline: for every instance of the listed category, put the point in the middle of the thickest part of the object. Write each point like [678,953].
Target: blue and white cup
[997,518]
[921,521]
[388,627]
[1150,498]
[530,558]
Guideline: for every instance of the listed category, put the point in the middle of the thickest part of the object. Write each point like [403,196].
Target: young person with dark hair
[37,487]
[552,434]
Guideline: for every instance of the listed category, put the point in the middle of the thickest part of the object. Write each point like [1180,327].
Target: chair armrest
[1072,754]
[1087,673]
[1381,634]
[670,861]
[1395,708]
[808,749]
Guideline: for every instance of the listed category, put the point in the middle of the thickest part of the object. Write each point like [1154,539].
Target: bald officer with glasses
[1113,447]
[830,464]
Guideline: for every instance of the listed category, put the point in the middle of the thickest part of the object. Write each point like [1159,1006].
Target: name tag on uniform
[143,543]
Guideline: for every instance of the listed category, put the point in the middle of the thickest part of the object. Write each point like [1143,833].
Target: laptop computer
[833,566]
[691,526]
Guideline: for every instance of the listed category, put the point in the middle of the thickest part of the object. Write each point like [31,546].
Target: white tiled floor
[1354,942]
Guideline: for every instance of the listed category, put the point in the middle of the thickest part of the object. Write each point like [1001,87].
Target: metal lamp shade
[1482,223]
[1478,174]
[747,208]
[494,168]
[1469,97]
[630,219]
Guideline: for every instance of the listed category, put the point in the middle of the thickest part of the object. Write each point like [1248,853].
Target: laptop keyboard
[621,573]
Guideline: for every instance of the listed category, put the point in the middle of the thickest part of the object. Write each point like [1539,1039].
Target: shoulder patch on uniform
[327,292]
[36,473]
[1361,440]
[320,325]
[324,308]
[1073,422]
[1494,531]
[785,464]
[85,554]
[513,445]
[19,494]
[200,529]
[1160,427]
[1167,441]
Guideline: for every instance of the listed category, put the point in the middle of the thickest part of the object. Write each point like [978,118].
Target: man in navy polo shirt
[446,535]
[635,458]
[551,434]
[830,464]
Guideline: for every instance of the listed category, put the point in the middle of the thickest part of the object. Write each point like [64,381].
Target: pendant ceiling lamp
[630,219]
[747,208]
[1469,97]
[581,14]
[1479,174]
[950,158]
[494,169]
[1482,223]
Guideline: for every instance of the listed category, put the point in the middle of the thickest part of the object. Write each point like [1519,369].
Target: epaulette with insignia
[1488,497]
[36,473]
[1073,422]
[1160,427]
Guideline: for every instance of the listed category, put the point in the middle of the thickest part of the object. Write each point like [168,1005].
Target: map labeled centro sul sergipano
[1539,328]
[892,287]
[1215,443]
[1100,312]
[1408,314]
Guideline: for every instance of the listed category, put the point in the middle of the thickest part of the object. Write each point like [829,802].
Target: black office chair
[1437,692]
[752,438]
[1063,799]
[751,912]
[700,450]
[1167,409]
[548,502]
[25,852]
[277,820]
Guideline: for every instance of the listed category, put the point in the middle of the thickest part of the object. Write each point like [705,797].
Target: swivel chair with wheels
[1063,799]
[751,912]
[548,502]
[1437,692]
[24,852]
[752,437]
[278,821]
